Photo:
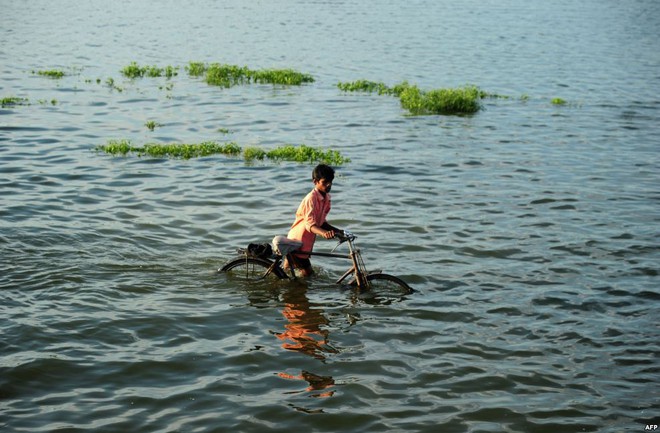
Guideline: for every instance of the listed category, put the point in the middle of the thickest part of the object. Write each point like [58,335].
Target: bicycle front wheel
[388,285]
[252,269]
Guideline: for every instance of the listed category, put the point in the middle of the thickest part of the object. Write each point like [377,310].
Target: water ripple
[529,230]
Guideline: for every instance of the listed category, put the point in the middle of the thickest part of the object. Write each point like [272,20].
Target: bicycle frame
[253,261]
[358,269]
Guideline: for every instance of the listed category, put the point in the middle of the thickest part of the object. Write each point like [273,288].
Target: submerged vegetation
[302,153]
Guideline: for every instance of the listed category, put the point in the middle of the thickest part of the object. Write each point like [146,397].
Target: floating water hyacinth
[196,69]
[151,125]
[169,150]
[50,73]
[217,74]
[305,153]
[136,71]
[462,100]
[373,86]
[222,74]
[302,153]
[10,101]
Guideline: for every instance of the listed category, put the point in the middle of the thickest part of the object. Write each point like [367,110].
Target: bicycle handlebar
[344,235]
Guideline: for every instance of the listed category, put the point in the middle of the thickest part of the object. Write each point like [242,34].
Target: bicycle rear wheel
[388,285]
[252,269]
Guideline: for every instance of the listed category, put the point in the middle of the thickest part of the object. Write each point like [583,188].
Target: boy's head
[323,171]
[322,176]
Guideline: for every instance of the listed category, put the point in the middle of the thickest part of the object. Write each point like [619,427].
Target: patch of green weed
[50,73]
[11,101]
[224,75]
[136,71]
[302,153]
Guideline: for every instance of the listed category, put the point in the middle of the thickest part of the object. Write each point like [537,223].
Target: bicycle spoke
[252,269]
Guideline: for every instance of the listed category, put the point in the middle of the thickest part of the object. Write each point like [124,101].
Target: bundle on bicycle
[261,261]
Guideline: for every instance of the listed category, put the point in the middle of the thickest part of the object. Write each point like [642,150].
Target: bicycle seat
[283,245]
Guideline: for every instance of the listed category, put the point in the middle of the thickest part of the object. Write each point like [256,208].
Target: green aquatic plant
[226,75]
[151,125]
[372,87]
[363,86]
[252,153]
[483,95]
[133,71]
[305,153]
[169,150]
[169,86]
[223,75]
[187,151]
[462,100]
[302,153]
[287,77]
[196,69]
[11,101]
[398,89]
[171,71]
[558,101]
[50,73]
[118,147]
[223,130]
[110,82]
[136,71]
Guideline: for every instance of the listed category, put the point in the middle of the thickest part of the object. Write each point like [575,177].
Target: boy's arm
[328,227]
[321,231]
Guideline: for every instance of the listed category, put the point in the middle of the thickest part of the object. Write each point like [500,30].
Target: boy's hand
[328,234]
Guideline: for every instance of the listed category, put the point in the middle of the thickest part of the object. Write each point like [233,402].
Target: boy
[311,217]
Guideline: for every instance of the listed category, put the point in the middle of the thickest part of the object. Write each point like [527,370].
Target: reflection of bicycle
[252,267]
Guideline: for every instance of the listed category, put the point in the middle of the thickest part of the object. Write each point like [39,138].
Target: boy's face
[323,185]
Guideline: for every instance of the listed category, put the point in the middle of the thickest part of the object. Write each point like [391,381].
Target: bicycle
[254,267]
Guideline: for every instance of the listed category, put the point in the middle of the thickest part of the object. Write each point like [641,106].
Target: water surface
[529,230]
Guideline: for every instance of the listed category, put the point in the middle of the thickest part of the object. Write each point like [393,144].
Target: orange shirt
[313,210]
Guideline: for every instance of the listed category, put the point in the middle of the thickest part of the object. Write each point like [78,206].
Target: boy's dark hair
[323,171]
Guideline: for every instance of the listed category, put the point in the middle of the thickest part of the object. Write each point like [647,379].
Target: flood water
[529,230]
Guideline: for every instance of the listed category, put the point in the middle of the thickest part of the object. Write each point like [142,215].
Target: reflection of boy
[311,217]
